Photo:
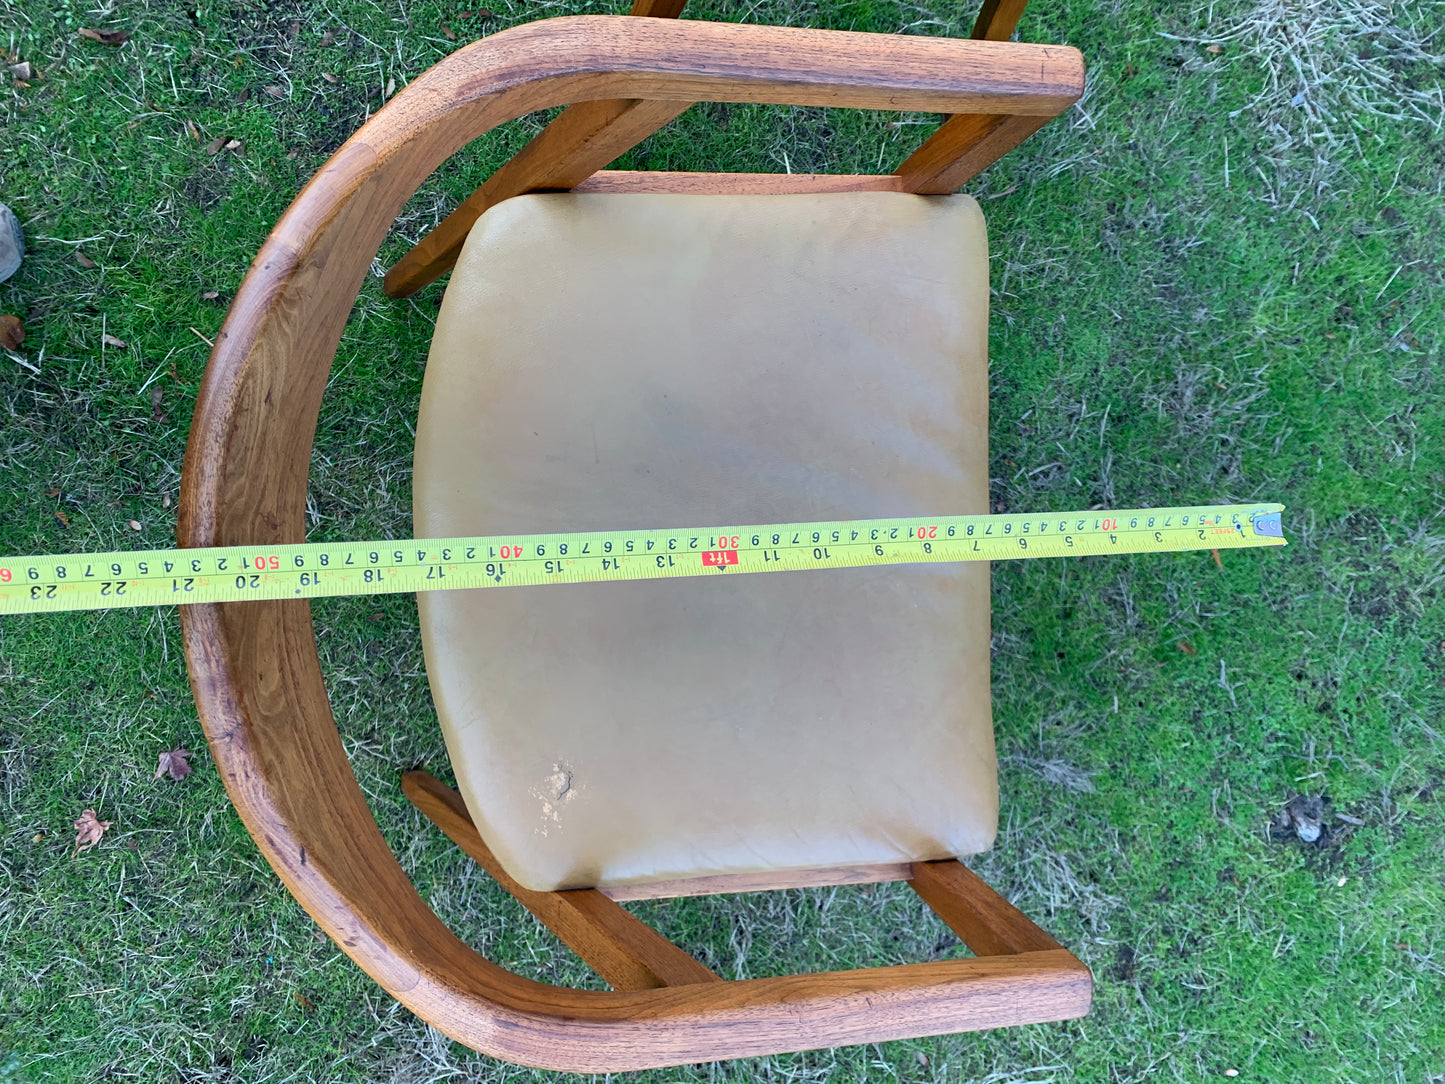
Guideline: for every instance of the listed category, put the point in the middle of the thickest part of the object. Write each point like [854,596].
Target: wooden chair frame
[254,666]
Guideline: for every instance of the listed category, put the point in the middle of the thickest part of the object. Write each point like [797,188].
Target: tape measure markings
[317,569]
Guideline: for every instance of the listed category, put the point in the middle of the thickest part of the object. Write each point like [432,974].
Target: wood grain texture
[583,139]
[998,19]
[626,952]
[963,147]
[984,920]
[762,882]
[253,665]
[658,9]
[737,184]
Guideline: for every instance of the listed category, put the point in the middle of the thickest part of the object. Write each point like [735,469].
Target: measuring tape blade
[102,581]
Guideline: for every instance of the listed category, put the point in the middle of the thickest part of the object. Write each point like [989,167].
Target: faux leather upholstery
[613,361]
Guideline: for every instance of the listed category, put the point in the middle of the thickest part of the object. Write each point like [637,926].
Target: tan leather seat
[613,361]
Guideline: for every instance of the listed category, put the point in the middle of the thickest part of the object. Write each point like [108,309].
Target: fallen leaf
[304,1001]
[244,96]
[193,131]
[12,332]
[209,295]
[37,837]
[105,37]
[236,145]
[166,500]
[1186,647]
[274,91]
[158,396]
[88,830]
[293,152]
[53,491]
[134,525]
[21,83]
[328,77]
[448,31]
[389,89]
[111,340]
[1214,48]
[22,70]
[84,260]
[173,763]
[216,144]
[64,519]
[1217,561]
[376,617]
[327,38]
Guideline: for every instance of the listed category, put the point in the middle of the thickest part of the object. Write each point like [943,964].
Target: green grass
[1218,278]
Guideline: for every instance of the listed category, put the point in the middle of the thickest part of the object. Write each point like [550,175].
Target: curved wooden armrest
[254,667]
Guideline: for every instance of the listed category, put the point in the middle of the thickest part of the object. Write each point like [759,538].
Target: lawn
[1218,278]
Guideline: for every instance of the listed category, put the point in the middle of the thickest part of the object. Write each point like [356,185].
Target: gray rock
[12,243]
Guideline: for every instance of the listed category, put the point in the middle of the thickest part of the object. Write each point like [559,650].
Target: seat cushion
[604,362]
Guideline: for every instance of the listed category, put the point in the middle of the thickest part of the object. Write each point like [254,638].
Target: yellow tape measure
[101,581]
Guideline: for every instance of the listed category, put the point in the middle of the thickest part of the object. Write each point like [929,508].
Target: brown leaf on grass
[63,518]
[328,77]
[235,146]
[12,332]
[216,144]
[1186,647]
[1214,48]
[23,70]
[448,31]
[158,396]
[88,830]
[1217,561]
[193,131]
[53,491]
[134,525]
[327,38]
[304,1001]
[274,91]
[174,763]
[111,340]
[105,37]
[84,260]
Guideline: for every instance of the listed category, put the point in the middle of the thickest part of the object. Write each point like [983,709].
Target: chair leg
[985,921]
[584,138]
[964,146]
[626,952]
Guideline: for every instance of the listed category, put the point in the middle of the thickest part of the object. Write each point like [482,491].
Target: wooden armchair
[254,666]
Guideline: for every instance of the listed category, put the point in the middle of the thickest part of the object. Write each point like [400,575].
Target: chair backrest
[254,666]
